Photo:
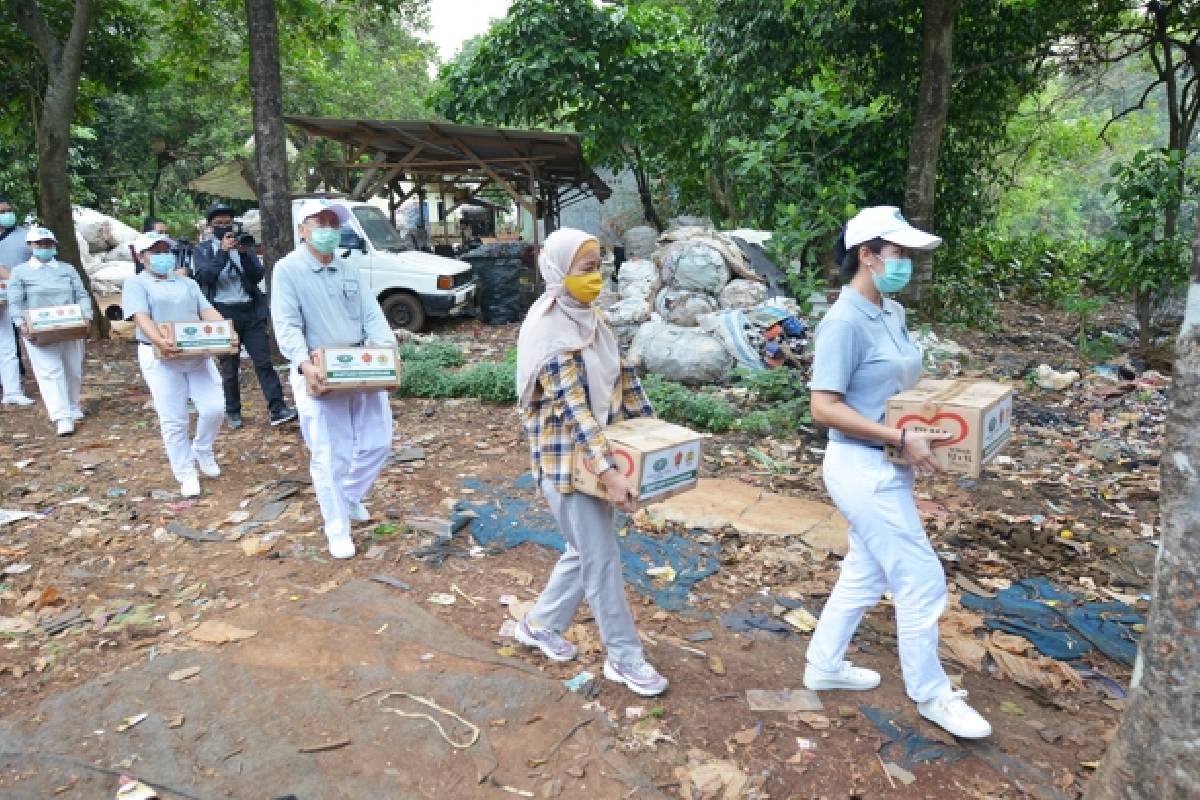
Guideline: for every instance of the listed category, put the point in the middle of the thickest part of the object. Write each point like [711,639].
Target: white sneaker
[207,463]
[65,427]
[17,400]
[190,487]
[359,512]
[849,677]
[341,546]
[951,712]
[77,415]
[640,677]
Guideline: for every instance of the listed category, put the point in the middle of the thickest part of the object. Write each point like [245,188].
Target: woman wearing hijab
[862,356]
[41,282]
[572,383]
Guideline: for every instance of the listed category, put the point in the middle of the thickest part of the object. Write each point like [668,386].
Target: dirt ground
[105,545]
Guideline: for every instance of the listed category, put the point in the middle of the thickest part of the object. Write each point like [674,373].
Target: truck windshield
[379,229]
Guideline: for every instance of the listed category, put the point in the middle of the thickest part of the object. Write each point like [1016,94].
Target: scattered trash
[746,736]
[580,681]
[801,619]
[17,569]
[129,722]
[442,599]
[184,532]
[716,665]
[440,527]
[406,454]
[395,583]
[11,515]
[324,746]
[257,545]
[899,773]
[425,701]
[184,674]
[818,722]
[131,789]
[217,632]
[667,573]
[699,636]
[713,778]
[905,746]
[1048,378]
[1011,708]
[789,701]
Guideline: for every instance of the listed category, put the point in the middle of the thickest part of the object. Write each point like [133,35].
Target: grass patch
[704,411]
[432,370]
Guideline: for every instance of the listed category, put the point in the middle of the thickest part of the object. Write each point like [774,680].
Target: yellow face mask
[584,288]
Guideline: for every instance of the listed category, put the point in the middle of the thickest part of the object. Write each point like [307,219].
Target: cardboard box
[3,291]
[357,368]
[201,338]
[661,459]
[57,324]
[977,412]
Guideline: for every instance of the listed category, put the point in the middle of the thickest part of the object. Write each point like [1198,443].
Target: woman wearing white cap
[863,356]
[159,294]
[41,282]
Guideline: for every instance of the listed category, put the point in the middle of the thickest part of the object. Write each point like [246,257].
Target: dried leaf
[217,632]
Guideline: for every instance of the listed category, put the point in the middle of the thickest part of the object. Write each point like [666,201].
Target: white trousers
[58,368]
[172,383]
[889,551]
[10,364]
[349,438]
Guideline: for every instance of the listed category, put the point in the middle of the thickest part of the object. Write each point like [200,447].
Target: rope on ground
[77,764]
[418,715]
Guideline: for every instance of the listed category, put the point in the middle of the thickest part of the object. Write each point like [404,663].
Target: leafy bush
[443,354]
[428,372]
[486,381]
[773,385]
[425,379]
[677,403]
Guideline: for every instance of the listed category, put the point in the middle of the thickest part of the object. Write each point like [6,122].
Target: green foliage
[773,385]
[441,353]
[1149,254]
[425,379]
[487,381]
[428,372]
[674,402]
[779,401]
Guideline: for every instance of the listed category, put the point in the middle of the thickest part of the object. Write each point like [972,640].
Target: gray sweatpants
[591,568]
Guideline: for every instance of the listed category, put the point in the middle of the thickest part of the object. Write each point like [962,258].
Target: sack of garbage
[686,221]
[734,257]
[682,307]
[694,265]
[638,278]
[740,337]
[101,232]
[686,355]
[741,293]
[629,311]
[640,241]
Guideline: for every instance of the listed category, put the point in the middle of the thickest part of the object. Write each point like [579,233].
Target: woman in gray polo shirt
[863,356]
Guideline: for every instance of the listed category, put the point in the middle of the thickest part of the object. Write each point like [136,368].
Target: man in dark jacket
[229,274]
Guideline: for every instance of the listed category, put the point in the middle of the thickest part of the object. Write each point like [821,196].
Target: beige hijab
[558,323]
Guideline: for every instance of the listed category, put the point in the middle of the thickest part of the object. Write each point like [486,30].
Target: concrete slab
[716,503]
[300,683]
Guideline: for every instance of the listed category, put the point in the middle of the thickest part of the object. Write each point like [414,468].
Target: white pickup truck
[412,285]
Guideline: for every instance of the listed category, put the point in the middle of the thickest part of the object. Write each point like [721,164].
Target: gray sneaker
[552,644]
[640,677]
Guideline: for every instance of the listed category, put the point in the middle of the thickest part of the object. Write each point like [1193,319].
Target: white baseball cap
[37,233]
[887,223]
[310,208]
[145,241]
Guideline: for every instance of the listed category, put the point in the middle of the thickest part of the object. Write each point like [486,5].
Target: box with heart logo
[56,324]
[660,459]
[201,338]
[977,413]
[348,368]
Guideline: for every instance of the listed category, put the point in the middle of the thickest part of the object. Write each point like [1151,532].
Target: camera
[244,239]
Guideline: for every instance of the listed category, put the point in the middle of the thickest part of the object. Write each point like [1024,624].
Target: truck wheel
[404,311]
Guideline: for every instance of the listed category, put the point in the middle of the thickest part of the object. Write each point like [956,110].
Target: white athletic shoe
[951,712]
[17,400]
[359,512]
[65,427]
[77,414]
[190,487]
[341,546]
[207,463]
[849,677]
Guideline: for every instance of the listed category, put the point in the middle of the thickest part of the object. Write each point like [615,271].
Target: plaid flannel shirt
[558,418]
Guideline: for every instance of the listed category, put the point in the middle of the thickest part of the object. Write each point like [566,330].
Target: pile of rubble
[693,307]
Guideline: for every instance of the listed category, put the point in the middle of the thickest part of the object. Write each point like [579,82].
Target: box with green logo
[357,368]
[3,292]
[660,459]
[201,338]
[56,324]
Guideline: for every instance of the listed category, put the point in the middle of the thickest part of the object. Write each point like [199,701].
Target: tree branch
[1141,104]
[72,54]
[30,20]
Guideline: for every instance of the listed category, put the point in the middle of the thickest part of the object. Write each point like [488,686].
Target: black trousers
[252,331]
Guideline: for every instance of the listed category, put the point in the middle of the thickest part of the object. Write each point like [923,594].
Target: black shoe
[282,414]
[234,421]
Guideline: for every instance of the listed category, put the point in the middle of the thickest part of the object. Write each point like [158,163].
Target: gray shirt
[863,352]
[315,305]
[229,282]
[13,249]
[169,299]
[37,285]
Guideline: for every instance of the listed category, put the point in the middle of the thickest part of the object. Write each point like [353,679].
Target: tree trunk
[933,104]
[270,133]
[643,185]
[64,63]
[1153,756]
[1144,306]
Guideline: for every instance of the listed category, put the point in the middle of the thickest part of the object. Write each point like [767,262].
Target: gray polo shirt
[863,352]
[169,299]
[315,305]
[229,282]
[13,249]
[37,285]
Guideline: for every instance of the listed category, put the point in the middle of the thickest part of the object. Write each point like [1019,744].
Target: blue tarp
[905,746]
[1068,627]
[509,514]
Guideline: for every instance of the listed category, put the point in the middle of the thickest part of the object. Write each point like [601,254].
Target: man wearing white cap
[13,251]
[41,282]
[319,300]
[159,294]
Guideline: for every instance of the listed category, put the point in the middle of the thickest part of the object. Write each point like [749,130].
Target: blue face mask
[325,240]
[162,263]
[8,219]
[897,272]
[44,253]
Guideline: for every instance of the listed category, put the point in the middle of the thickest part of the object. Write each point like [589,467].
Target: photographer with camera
[228,271]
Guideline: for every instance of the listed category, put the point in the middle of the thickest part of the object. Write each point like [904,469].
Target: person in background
[572,382]
[13,251]
[40,282]
[229,274]
[863,356]
[319,300]
[159,294]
